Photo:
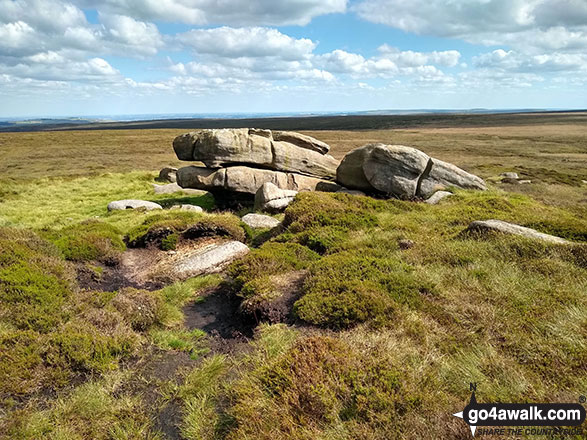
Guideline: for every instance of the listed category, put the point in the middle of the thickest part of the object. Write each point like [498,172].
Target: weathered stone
[167,174]
[484,226]
[171,188]
[192,208]
[350,172]
[248,180]
[207,259]
[271,198]
[120,205]
[260,221]
[401,171]
[228,147]
[302,141]
[524,182]
[443,175]
[395,169]
[437,197]
[510,175]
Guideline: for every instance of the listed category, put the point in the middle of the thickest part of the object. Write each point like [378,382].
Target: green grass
[190,341]
[62,201]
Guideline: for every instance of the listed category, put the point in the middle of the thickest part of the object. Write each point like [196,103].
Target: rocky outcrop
[247,180]
[273,199]
[485,226]
[121,205]
[400,171]
[260,221]
[218,148]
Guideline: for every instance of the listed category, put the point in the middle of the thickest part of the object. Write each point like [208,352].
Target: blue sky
[85,57]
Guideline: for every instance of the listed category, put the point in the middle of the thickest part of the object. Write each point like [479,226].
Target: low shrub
[345,289]
[35,283]
[86,241]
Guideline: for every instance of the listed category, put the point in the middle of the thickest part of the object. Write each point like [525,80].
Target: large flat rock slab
[248,180]
[485,226]
[210,258]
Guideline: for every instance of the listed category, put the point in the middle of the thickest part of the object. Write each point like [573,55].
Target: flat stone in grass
[484,226]
[192,208]
[260,221]
[510,175]
[207,259]
[437,197]
[121,205]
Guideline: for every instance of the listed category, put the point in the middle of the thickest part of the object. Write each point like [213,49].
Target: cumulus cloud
[246,42]
[231,12]
[513,61]
[535,24]
[390,62]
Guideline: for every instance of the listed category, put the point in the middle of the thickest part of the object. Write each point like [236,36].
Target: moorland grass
[387,339]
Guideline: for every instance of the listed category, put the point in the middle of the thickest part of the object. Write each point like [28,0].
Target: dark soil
[110,278]
[217,313]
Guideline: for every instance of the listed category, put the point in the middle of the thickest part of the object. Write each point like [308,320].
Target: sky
[86,57]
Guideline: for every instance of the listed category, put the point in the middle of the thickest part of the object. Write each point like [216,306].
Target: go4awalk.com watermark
[523,419]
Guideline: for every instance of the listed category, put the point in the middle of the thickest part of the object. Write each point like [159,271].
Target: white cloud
[246,42]
[231,12]
[130,33]
[523,24]
[389,62]
[512,61]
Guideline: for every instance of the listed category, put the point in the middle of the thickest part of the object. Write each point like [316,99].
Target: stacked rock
[242,160]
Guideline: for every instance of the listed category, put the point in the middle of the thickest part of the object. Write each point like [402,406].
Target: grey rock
[350,172]
[167,174]
[524,182]
[120,205]
[171,188]
[271,198]
[260,221]
[443,175]
[192,208]
[510,175]
[248,180]
[400,171]
[207,259]
[228,147]
[302,141]
[484,226]
[437,197]
[395,169]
